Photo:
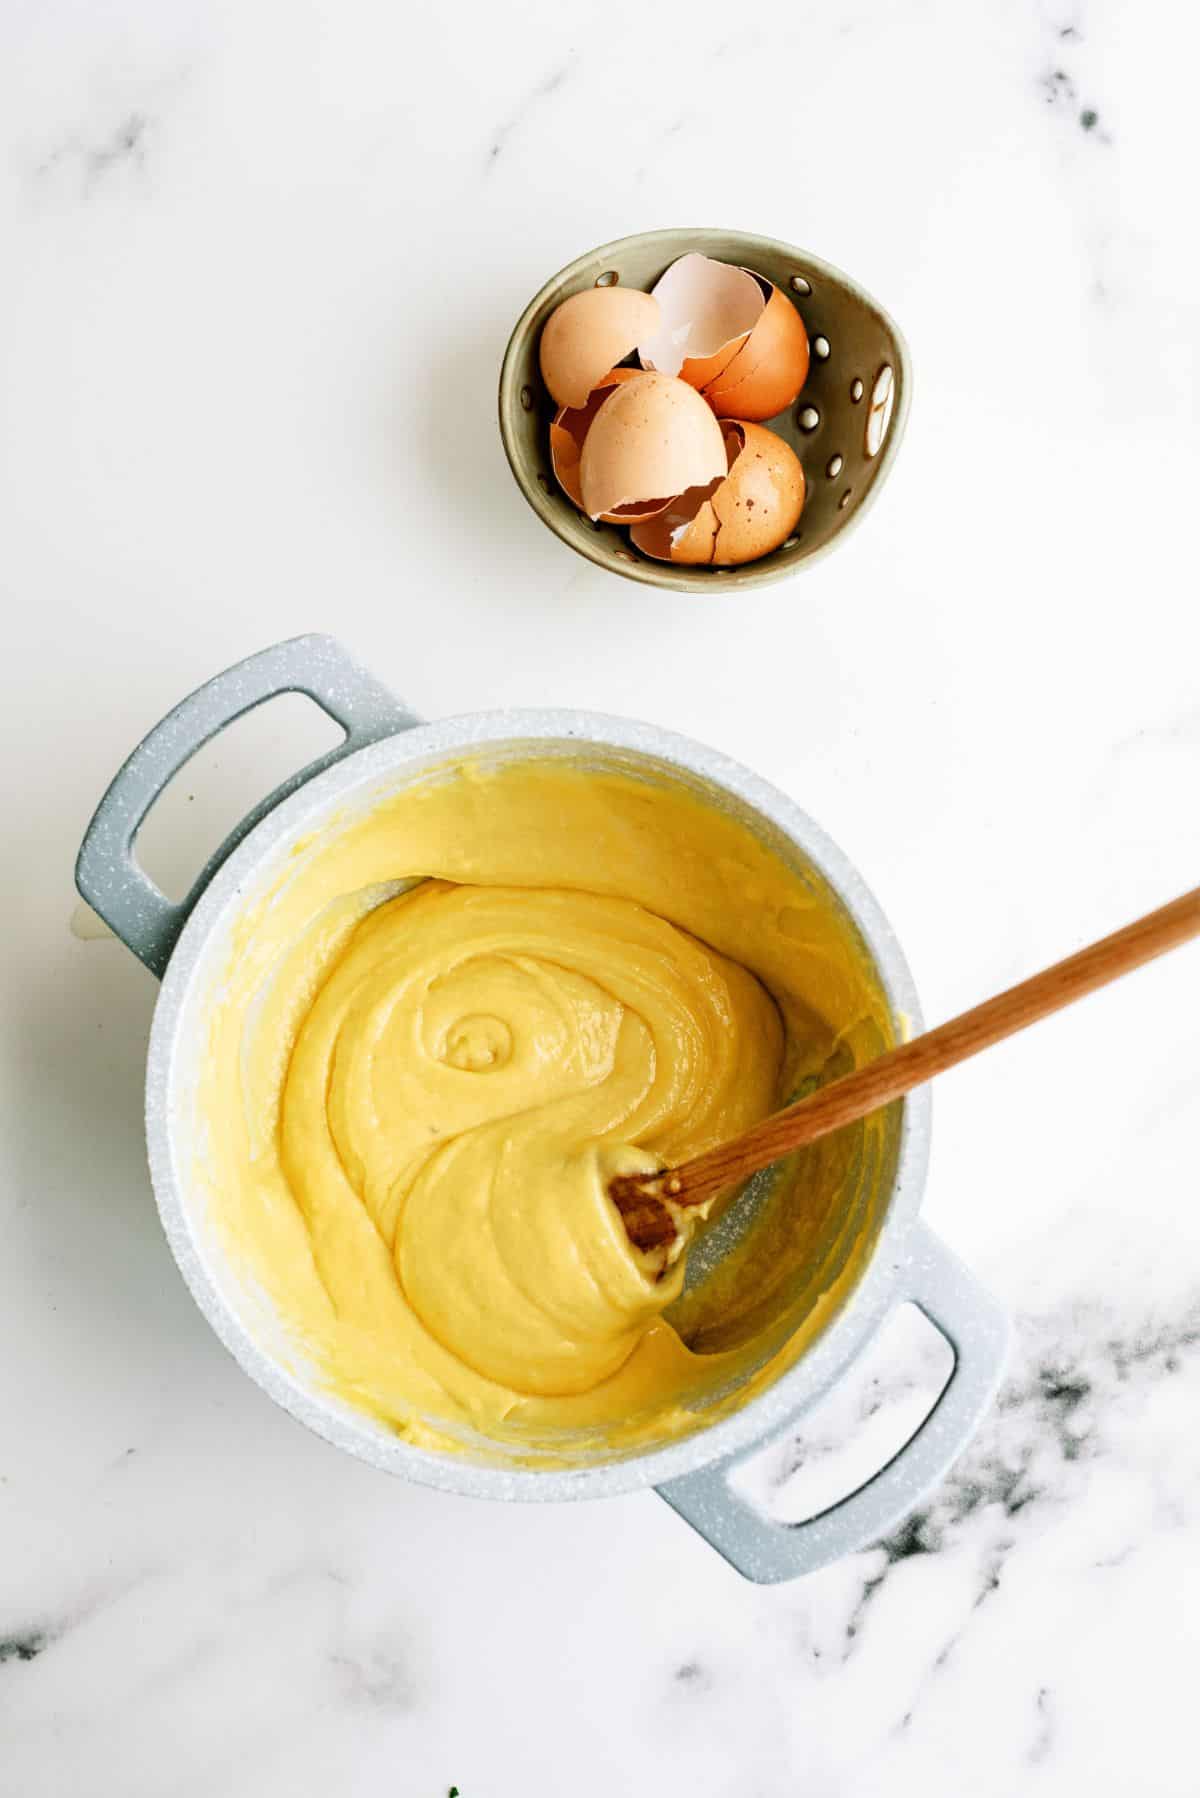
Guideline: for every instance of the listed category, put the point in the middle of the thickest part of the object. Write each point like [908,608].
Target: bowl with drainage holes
[845,427]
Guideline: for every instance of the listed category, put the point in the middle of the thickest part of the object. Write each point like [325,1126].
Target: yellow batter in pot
[413,1100]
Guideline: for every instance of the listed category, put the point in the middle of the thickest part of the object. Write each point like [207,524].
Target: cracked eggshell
[745,516]
[652,438]
[707,310]
[766,375]
[758,505]
[589,334]
[570,427]
[684,532]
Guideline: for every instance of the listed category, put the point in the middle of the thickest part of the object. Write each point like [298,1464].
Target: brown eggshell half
[758,505]
[745,516]
[707,310]
[590,333]
[652,437]
[769,370]
[567,433]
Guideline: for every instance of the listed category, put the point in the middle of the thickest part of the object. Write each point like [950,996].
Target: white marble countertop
[261,262]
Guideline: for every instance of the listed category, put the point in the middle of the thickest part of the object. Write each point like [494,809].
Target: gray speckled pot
[386,745]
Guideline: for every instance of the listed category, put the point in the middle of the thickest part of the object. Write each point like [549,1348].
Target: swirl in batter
[470,1072]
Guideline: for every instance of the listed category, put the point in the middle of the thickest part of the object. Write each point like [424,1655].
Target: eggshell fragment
[685,531]
[769,370]
[707,310]
[570,427]
[652,437]
[745,516]
[590,333]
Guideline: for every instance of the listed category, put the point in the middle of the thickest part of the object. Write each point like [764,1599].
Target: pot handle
[106,873]
[768,1551]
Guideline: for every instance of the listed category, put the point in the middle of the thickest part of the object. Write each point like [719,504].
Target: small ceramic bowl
[846,425]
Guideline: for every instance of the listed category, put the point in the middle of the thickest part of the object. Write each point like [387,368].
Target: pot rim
[762,1416]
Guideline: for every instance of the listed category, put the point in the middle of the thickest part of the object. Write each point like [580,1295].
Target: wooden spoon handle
[846,1100]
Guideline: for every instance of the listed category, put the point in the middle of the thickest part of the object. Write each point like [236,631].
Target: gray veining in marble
[260,268]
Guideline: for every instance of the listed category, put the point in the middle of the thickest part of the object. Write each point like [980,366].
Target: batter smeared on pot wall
[413,1102]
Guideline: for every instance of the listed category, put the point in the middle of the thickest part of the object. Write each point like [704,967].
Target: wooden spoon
[647,1201]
